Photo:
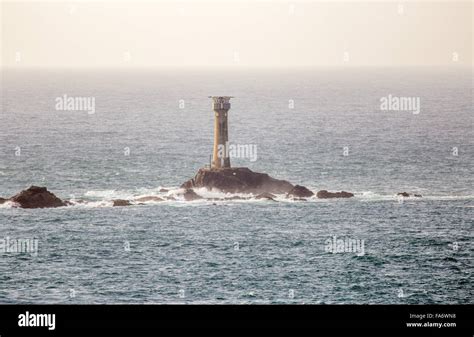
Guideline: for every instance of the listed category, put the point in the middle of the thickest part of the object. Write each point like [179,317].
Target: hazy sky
[235,33]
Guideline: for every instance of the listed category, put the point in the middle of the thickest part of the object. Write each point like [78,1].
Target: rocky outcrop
[37,197]
[323,194]
[190,195]
[164,190]
[3,200]
[121,202]
[418,196]
[237,180]
[299,192]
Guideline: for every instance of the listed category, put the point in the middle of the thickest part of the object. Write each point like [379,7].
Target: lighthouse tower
[221,106]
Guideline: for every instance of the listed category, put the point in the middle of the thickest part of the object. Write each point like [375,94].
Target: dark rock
[190,195]
[403,194]
[237,180]
[37,197]
[121,202]
[3,200]
[323,194]
[164,190]
[149,198]
[299,192]
[266,195]
[418,196]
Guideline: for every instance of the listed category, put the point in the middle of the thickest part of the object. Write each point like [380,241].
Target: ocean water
[321,128]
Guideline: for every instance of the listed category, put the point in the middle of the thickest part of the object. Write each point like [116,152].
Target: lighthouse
[221,106]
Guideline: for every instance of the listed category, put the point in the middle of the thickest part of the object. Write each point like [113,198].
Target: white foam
[9,204]
[92,204]
[217,194]
[369,195]
[130,194]
[447,197]
[372,196]
[104,198]
[109,194]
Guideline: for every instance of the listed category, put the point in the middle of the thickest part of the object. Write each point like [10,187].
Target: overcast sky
[237,33]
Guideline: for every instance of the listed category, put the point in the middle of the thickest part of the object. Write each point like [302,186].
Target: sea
[324,128]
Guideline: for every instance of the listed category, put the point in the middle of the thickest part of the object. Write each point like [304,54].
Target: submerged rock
[407,195]
[299,192]
[37,197]
[237,180]
[149,198]
[323,194]
[403,194]
[163,190]
[236,197]
[190,195]
[121,202]
[266,195]
[299,199]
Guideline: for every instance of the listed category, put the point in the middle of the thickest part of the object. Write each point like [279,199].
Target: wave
[173,195]
[369,195]
[128,194]
[8,204]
